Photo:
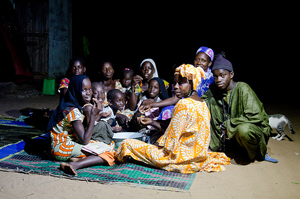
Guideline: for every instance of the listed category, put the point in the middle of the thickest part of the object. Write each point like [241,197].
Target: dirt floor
[256,180]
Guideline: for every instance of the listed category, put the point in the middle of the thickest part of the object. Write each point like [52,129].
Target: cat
[278,122]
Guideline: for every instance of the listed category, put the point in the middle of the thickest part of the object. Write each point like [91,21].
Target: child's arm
[133,122]
[133,98]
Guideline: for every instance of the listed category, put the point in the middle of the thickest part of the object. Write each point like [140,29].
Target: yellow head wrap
[191,73]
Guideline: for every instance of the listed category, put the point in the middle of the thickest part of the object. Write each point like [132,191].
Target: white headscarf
[155,74]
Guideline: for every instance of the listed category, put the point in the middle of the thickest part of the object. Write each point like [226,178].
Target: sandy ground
[256,180]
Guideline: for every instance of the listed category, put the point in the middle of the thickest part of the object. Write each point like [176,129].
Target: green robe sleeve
[217,118]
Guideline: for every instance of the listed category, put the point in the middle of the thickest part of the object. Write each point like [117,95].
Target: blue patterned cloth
[205,83]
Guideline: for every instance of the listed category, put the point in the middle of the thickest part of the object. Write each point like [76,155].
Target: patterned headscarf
[191,73]
[208,51]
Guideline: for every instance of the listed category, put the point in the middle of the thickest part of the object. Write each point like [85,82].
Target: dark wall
[171,35]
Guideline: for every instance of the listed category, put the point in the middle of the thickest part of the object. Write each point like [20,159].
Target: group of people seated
[184,132]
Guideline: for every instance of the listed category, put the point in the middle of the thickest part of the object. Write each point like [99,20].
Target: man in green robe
[236,112]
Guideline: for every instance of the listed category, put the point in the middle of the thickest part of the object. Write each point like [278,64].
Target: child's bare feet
[67,168]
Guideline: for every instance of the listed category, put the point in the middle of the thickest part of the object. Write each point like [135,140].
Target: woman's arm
[87,112]
[84,135]
[167,102]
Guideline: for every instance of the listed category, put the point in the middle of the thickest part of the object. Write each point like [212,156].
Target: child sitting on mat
[99,94]
[69,135]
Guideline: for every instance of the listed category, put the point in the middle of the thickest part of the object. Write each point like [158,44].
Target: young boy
[99,94]
[236,112]
[116,100]
[102,131]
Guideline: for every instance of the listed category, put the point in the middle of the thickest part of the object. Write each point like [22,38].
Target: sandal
[267,158]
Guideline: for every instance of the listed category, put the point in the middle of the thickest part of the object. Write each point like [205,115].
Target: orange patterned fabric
[184,145]
[63,139]
[64,143]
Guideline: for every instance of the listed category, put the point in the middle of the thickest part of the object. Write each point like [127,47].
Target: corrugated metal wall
[33,18]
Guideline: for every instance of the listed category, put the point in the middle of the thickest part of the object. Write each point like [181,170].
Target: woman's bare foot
[67,168]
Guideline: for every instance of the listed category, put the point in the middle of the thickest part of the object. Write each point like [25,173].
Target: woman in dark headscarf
[67,133]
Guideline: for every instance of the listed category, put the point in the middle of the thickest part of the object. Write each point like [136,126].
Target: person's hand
[144,108]
[147,102]
[144,121]
[136,80]
[122,119]
[97,107]
[105,114]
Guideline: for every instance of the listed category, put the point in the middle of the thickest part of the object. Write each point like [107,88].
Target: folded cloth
[109,157]
[97,148]
[103,132]
[103,150]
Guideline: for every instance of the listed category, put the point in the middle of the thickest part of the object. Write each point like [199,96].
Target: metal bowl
[119,137]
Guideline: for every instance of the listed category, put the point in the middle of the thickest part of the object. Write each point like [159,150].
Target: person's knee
[243,131]
[248,133]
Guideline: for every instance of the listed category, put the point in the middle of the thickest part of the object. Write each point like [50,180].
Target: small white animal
[278,122]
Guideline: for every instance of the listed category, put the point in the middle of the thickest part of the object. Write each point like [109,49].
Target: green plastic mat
[126,173]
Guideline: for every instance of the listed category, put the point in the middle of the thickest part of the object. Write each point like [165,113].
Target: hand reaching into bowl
[144,121]
[144,108]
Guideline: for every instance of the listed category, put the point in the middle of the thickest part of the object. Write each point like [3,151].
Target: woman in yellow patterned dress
[184,145]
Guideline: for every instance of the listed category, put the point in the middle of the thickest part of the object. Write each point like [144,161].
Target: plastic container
[49,87]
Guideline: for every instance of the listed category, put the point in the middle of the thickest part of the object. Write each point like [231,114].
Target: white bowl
[119,137]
